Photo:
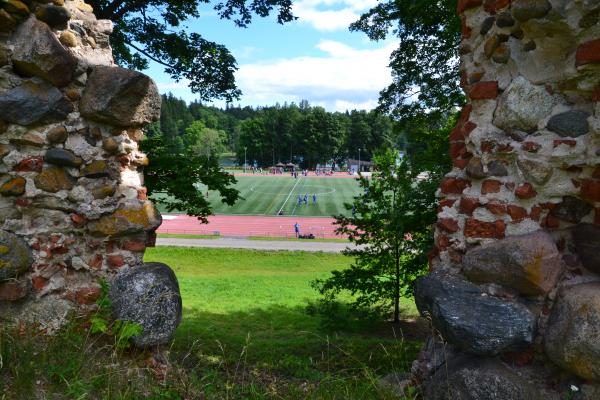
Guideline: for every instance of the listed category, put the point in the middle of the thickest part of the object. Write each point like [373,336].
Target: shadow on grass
[289,342]
[275,352]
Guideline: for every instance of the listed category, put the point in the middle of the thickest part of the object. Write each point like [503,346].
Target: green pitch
[267,195]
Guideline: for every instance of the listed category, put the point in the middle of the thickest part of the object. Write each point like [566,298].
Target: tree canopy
[301,134]
[391,224]
[154,30]
[311,135]
[424,67]
[173,175]
[204,141]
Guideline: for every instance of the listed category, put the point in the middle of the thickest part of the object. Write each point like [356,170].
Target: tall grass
[245,335]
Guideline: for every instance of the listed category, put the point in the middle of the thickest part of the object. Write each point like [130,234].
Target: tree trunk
[397,289]
[397,261]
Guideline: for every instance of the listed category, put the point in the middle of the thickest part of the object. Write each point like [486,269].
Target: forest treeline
[300,133]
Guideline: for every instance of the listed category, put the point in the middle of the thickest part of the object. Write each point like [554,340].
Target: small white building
[354,166]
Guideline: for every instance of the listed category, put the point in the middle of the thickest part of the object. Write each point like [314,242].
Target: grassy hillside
[245,334]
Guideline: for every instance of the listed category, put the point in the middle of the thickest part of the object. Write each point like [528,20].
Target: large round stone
[529,263]
[39,53]
[535,171]
[572,209]
[472,320]
[16,7]
[31,102]
[572,123]
[586,238]
[127,220]
[13,187]
[55,16]
[96,169]
[4,56]
[68,39]
[7,21]
[524,10]
[120,97]
[148,295]
[470,378]
[523,105]
[54,179]
[62,157]
[15,255]
[573,332]
[57,134]
[14,290]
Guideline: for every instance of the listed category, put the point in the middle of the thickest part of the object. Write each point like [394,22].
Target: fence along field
[278,195]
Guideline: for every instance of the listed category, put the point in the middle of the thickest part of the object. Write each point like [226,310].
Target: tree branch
[130,8]
[149,55]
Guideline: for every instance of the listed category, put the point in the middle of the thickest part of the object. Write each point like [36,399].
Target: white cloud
[330,15]
[343,78]
[164,87]
[246,52]
[343,105]
[326,20]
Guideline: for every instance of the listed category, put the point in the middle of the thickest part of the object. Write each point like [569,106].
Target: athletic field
[278,195]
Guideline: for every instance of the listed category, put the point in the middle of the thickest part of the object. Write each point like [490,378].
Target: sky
[314,58]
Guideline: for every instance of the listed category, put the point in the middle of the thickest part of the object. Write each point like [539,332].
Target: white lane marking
[289,195]
[296,205]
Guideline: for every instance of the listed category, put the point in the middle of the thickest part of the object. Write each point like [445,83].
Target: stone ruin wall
[73,208]
[515,282]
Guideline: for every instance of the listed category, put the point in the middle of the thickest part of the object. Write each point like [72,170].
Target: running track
[243,226]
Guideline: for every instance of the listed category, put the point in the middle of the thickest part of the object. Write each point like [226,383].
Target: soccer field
[268,195]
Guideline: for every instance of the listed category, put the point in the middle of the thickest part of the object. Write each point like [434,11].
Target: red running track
[233,225]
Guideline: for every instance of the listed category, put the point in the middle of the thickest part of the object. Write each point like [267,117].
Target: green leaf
[124,332]
[99,325]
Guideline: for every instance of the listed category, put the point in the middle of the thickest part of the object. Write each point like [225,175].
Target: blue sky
[314,58]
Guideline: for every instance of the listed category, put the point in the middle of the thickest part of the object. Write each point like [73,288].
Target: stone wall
[515,285]
[73,208]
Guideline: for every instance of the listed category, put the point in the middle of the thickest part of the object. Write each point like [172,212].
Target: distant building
[365,166]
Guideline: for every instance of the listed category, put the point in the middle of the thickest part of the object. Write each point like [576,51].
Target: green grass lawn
[267,195]
[245,318]
[245,334]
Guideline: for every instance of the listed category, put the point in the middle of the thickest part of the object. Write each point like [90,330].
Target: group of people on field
[304,199]
[276,170]
[323,172]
